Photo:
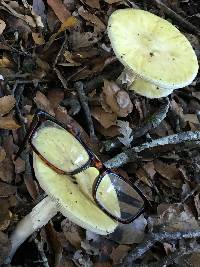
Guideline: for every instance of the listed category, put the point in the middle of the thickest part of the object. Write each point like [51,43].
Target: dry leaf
[19,165]
[7,190]
[43,103]
[80,40]
[55,96]
[112,1]
[8,123]
[2,26]
[72,232]
[91,18]
[38,38]
[112,131]
[115,99]
[126,133]
[6,104]
[119,253]
[93,3]
[5,214]
[59,9]
[5,247]
[130,233]
[191,118]
[176,217]
[104,118]
[2,154]
[6,170]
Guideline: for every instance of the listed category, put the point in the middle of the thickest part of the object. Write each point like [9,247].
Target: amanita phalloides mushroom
[72,196]
[158,54]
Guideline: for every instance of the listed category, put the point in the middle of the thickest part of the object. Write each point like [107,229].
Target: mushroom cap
[71,201]
[153,48]
[148,89]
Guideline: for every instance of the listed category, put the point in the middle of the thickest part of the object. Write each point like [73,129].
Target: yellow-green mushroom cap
[148,89]
[153,48]
[71,201]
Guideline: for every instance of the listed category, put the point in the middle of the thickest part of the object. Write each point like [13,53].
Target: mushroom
[154,50]
[72,196]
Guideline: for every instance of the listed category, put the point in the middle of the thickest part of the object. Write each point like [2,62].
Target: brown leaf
[168,171]
[59,9]
[112,131]
[72,232]
[116,99]
[5,247]
[55,96]
[8,123]
[6,170]
[82,39]
[2,26]
[2,154]
[5,214]
[38,38]
[19,165]
[119,253]
[7,189]
[130,233]
[6,104]
[104,118]
[43,103]
[93,3]
[176,217]
[91,18]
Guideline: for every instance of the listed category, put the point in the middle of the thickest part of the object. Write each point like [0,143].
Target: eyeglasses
[45,130]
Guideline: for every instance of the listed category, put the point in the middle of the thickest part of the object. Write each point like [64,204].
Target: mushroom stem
[38,217]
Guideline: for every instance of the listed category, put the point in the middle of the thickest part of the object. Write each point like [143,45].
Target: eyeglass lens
[126,202]
[59,147]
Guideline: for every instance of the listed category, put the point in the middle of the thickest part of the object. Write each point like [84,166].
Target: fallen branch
[150,241]
[183,22]
[132,154]
[84,104]
[151,123]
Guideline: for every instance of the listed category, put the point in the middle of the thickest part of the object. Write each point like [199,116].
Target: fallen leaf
[84,39]
[93,3]
[119,253]
[126,133]
[59,9]
[19,165]
[55,96]
[91,18]
[38,38]
[7,190]
[191,118]
[72,232]
[6,170]
[2,26]
[115,99]
[8,123]
[112,131]
[104,118]
[43,103]
[168,171]
[176,217]
[130,233]
[6,104]
[5,214]
[5,247]
[2,154]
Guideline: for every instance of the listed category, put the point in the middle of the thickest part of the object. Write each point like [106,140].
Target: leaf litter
[45,47]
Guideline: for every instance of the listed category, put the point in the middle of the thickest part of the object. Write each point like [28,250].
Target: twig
[151,123]
[150,241]
[39,245]
[132,154]
[61,78]
[183,23]
[84,103]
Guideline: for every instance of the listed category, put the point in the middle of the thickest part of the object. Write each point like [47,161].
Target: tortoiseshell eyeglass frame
[42,116]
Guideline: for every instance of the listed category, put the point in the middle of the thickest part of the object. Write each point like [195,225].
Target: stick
[156,237]
[84,104]
[183,22]
[132,154]
[151,123]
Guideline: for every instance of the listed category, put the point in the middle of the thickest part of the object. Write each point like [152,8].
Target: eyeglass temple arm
[36,120]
